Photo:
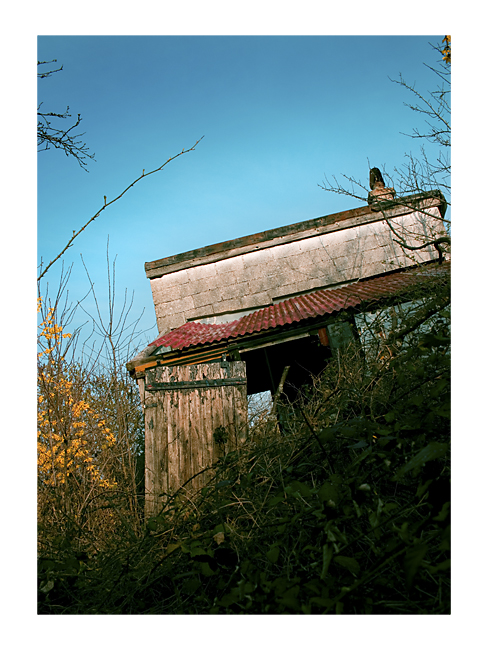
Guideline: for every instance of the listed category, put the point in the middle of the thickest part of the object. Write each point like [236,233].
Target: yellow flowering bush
[72,437]
[446,51]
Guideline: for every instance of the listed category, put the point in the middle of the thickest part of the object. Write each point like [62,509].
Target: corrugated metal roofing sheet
[300,308]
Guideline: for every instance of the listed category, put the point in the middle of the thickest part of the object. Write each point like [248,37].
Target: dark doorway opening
[306,357]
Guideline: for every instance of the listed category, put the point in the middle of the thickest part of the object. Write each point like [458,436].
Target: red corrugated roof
[294,310]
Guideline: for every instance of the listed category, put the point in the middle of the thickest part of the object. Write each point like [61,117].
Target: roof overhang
[284,321]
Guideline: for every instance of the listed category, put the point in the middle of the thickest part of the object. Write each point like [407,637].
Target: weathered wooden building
[233,315]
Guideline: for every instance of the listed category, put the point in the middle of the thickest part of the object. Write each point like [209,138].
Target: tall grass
[344,510]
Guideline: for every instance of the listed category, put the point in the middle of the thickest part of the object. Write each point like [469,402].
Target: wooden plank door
[193,415]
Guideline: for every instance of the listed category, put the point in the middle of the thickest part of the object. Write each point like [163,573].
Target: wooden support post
[280,389]
[277,395]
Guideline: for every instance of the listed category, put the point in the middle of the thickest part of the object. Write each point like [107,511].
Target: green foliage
[349,513]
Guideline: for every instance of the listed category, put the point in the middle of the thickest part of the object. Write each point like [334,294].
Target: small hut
[232,316]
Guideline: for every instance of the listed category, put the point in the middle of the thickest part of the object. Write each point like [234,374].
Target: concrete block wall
[225,289]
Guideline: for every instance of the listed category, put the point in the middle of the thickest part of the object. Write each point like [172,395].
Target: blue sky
[278,114]
[325,107]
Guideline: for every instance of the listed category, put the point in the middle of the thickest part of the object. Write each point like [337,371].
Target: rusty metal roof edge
[267,336]
[149,353]
[351,299]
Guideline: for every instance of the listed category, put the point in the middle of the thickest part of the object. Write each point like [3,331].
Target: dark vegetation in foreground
[347,510]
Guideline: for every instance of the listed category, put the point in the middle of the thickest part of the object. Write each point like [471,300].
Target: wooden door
[193,415]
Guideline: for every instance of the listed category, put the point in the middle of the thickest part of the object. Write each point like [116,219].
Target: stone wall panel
[254,278]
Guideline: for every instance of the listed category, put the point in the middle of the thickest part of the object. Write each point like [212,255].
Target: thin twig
[106,205]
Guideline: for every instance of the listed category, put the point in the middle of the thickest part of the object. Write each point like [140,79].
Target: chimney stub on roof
[378,190]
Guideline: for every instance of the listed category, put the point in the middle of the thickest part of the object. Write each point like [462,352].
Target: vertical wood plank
[180,425]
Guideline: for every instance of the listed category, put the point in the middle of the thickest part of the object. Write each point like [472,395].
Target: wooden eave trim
[178,357]
[144,361]
[288,234]
[208,353]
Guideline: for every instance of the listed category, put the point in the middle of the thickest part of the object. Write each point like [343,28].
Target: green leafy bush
[349,512]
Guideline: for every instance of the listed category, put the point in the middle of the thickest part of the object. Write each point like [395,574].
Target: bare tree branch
[434,108]
[106,205]
[436,243]
[48,73]
[428,171]
[50,136]
[338,188]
